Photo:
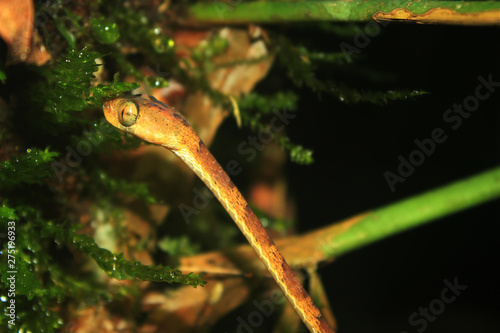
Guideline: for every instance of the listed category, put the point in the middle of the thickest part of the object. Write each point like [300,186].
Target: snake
[154,121]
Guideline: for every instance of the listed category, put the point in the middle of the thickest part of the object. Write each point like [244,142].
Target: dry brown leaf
[229,80]
[16,29]
[232,269]
[189,309]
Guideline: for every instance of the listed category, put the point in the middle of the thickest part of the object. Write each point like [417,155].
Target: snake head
[122,113]
[150,120]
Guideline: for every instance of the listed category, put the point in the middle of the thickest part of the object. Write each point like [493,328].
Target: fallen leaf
[16,30]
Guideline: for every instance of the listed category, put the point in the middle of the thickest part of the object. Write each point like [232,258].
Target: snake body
[155,122]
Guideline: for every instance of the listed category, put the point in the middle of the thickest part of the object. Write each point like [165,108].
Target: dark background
[377,288]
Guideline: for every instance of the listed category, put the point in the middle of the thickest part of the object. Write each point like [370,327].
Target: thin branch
[306,251]
[415,211]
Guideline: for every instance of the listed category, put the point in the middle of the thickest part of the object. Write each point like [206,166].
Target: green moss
[255,112]
[105,183]
[31,167]
[3,76]
[266,104]
[104,31]
[42,281]
[301,65]
[58,109]
[72,88]
[33,299]
[178,246]
[119,268]
[6,213]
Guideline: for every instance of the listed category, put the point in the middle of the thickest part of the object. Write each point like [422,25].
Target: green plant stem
[418,210]
[245,12]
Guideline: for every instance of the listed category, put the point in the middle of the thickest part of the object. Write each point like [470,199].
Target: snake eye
[128,113]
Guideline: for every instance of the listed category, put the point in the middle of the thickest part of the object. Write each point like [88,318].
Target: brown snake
[155,122]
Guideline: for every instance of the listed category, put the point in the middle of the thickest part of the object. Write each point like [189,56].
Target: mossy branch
[278,12]
[116,266]
[301,66]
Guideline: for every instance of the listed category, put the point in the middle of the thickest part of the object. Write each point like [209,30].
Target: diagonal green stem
[418,210]
[245,12]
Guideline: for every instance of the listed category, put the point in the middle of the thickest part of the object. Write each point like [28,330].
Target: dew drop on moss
[104,31]
[156,82]
[160,43]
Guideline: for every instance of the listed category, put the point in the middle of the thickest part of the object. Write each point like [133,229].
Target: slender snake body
[157,123]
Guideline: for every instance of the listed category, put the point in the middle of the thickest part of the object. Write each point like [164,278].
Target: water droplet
[104,31]
[156,82]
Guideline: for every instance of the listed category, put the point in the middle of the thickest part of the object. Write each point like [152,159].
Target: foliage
[104,31]
[72,79]
[29,182]
[135,190]
[31,167]
[301,64]
[257,108]
[53,138]
[178,246]
[119,268]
